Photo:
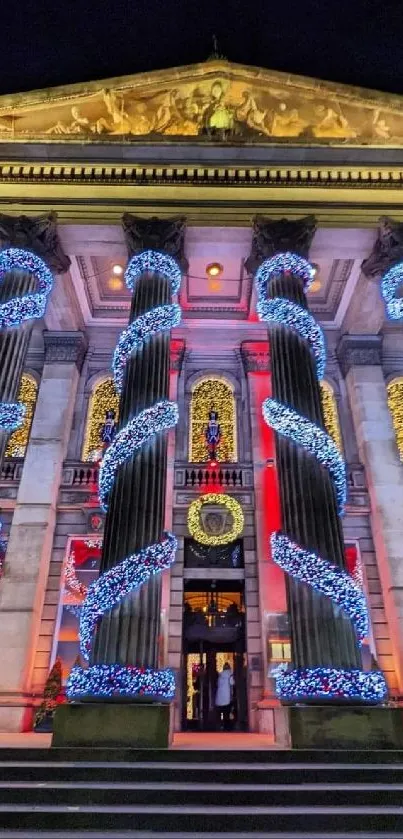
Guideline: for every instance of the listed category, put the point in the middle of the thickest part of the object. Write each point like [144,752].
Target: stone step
[154,772]
[201,756]
[188,794]
[140,834]
[163,819]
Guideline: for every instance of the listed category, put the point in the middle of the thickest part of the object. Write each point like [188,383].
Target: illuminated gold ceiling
[213,101]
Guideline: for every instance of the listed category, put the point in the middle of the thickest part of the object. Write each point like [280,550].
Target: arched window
[18,440]
[103,398]
[395,403]
[212,394]
[330,413]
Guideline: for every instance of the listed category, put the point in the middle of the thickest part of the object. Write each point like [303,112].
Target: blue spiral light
[390,283]
[300,562]
[11,415]
[109,589]
[19,309]
[331,683]
[300,430]
[280,310]
[283,263]
[154,262]
[150,422]
[110,680]
[106,680]
[321,575]
[162,318]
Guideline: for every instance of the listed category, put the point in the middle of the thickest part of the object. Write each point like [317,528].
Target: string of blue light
[16,311]
[390,283]
[300,562]
[114,585]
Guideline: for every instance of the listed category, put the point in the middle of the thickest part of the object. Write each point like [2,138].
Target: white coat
[224,688]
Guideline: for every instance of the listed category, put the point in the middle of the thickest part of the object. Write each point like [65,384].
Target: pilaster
[360,360]
[29,549]
[272,594]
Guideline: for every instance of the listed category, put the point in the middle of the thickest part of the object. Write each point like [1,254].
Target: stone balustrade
[226,476]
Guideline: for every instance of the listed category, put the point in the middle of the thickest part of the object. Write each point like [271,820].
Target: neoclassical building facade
[200,312]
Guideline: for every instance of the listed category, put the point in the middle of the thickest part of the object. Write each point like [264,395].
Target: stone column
[322,635]
[38,235]
[360,360]
[129,633]
[30,544]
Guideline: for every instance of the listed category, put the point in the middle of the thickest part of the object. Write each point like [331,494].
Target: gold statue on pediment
[332,124]
[218,101]
[287,122]
[251,114]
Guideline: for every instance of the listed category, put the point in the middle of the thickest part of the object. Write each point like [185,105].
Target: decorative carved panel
[215,99]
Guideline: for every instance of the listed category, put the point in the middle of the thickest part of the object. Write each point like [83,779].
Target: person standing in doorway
[223,697]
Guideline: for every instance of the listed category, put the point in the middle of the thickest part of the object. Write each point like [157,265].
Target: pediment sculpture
[216,100]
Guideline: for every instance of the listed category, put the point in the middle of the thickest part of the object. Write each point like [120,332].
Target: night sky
[46,43]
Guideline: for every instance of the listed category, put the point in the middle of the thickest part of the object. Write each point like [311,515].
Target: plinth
[100,724]
[349,727]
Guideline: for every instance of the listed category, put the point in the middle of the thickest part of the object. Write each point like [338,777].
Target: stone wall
[72,512]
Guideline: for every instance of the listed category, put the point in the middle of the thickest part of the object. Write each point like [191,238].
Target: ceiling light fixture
[117,270]
[115,283]
[214,269]
[316,283]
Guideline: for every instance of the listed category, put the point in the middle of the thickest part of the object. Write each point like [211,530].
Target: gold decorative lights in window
[18,441]
[212,394]
[395,403]
[103,398]
[330,413]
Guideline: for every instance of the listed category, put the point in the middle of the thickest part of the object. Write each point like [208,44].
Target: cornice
[355,177]
[358,351]
[223,195]
[65,348]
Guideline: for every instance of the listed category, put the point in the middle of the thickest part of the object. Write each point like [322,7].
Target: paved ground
[186,740]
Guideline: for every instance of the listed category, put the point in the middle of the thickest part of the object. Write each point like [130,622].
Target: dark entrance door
[214,634]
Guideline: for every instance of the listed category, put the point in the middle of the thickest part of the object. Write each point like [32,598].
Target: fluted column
[323,635]
[128,634]
[37,236]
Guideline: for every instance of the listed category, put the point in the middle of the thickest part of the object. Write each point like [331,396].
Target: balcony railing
[11,470]
[80,475]
[225,475]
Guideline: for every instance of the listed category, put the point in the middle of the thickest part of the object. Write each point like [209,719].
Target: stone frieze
[213,101]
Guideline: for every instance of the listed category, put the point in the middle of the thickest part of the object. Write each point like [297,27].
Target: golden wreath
[194,525]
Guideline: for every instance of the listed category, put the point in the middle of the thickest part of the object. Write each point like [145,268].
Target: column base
[332,727]
[145,726]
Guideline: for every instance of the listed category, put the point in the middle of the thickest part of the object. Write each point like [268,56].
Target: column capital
[359,350]
[387,250]
[65,348]
[167,235]
[271,236]
[255,356]
[37,234]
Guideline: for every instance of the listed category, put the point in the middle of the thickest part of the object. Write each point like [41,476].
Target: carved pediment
[213,101]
